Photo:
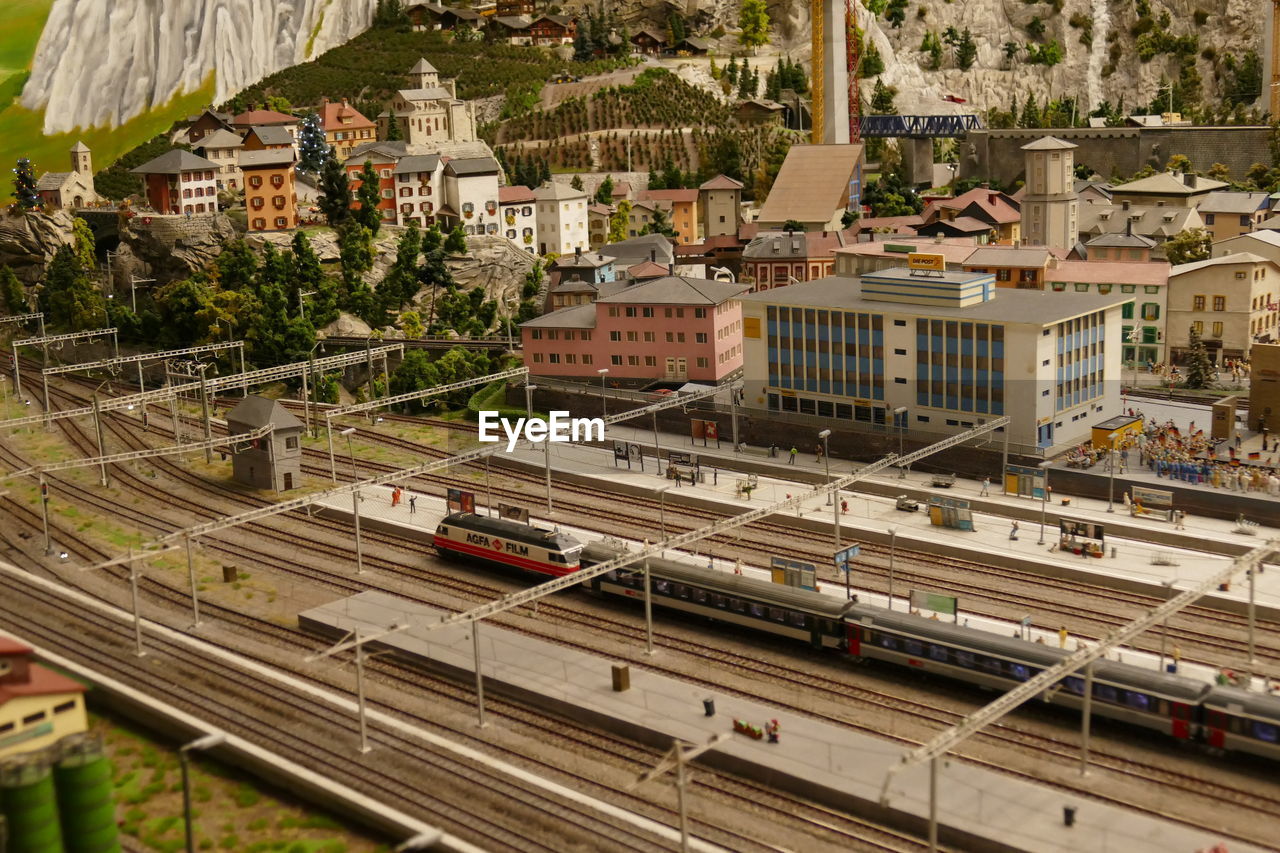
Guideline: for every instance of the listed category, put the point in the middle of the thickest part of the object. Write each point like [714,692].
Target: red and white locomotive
[502,542]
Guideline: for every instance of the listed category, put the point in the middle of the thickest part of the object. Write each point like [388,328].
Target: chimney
[937,238]
[1124,205]
[1128,228]
[577,251]
[671,268]
[1189,179]
[991,198]
[653,256]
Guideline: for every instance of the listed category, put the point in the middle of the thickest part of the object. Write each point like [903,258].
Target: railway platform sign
[515,513]
[682,457]
[937,602]
[794,573]
[844,556]
[628,452]
[460,501]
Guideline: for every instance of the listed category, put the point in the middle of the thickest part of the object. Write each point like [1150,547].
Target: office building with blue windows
[949,347]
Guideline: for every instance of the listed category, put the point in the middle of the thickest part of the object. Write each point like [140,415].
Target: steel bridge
[919,127]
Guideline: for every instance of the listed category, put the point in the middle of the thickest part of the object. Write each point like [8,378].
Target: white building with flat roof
[949,347]
[562,219]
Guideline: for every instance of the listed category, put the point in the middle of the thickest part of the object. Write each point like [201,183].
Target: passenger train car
[1183,708]
[502,542]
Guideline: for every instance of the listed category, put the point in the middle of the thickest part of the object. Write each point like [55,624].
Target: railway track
[840,689]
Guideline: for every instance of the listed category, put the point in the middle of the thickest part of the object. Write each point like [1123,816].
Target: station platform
[1150,556]
[418,521]
[977,809]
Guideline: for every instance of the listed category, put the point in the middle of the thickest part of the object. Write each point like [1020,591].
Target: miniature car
[906,504]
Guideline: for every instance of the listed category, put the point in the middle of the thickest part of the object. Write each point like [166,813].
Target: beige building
[428,112]
[70,189]
[1231,301]
[1264,243]
[223,147]
[1264,386]
[814,187]
[38,707]
[1167,189]
[720,201]
[562,219]
[1228,214]
[1049,202]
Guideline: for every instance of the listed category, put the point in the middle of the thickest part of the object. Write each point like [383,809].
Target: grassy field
[230,811]
[21,130]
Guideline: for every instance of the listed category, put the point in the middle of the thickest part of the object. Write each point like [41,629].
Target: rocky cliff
[1100,59]
[102,63]
[28,241]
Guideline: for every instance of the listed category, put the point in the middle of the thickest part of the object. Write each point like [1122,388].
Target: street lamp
[209,741]
[604,403]
[893,545]
[1111,478]
[900,415]
[662,512]
[348,432]
[1044,495]
[546,445]
[826,457]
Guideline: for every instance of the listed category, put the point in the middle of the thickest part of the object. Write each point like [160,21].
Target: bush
[245,796]
[1200,16]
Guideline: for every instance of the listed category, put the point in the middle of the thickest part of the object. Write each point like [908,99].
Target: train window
[701,596]
[1181,711]
[800,620]
[1073,684]
[887,640]
[992,665]
[1217,720]
[757,610]
[443,531]
[1162,707]
[1267,732]
[682,591]
[777,614]
[1105,693]
[662,587]
[737,605]
[554,557]
[1019,671]
[938,653]
[913,647]
[1140,701]
[965,659]
[720,601]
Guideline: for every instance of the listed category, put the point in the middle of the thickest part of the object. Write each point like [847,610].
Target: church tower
[1049,203]
[82,161]
[424,75]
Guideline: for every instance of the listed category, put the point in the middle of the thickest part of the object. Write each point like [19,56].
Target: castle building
[428,111]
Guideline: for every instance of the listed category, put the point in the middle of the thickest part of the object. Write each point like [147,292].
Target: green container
[29,802]
[86,797]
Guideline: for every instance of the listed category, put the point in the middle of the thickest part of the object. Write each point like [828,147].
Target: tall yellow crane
[823,65]
[1274,89]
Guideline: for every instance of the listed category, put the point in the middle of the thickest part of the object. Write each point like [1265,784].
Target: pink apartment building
[672,328]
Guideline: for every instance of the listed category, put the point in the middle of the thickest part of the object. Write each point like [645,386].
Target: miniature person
[986,487]
[413,500]
[1062,637]
[772,730]
[792,460]
[1013,532]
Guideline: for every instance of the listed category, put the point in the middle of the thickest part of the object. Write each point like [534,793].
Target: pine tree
[1200,372]
[753,21]
[335,191]
[731,71]
[312,149]
[576,182]
[24,185]
[456,242]
[369,195]
[604,192]
[68,298]
[966,50]
[13,294]
[659,224]
[746,81]
[1030,113]
[393,128]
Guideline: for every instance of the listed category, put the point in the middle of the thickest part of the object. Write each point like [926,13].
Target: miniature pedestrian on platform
[1062,637]
[771,729]
[818,453]
[395,496]
[1013,532]
[792,461]
[413,501]
[986,487]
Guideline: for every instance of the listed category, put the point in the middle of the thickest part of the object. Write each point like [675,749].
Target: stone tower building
[1049,203]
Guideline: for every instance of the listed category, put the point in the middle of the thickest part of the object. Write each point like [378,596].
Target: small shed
[273,461]
[1115,429]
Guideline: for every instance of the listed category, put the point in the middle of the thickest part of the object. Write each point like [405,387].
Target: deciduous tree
[753,21]
[1193,244]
